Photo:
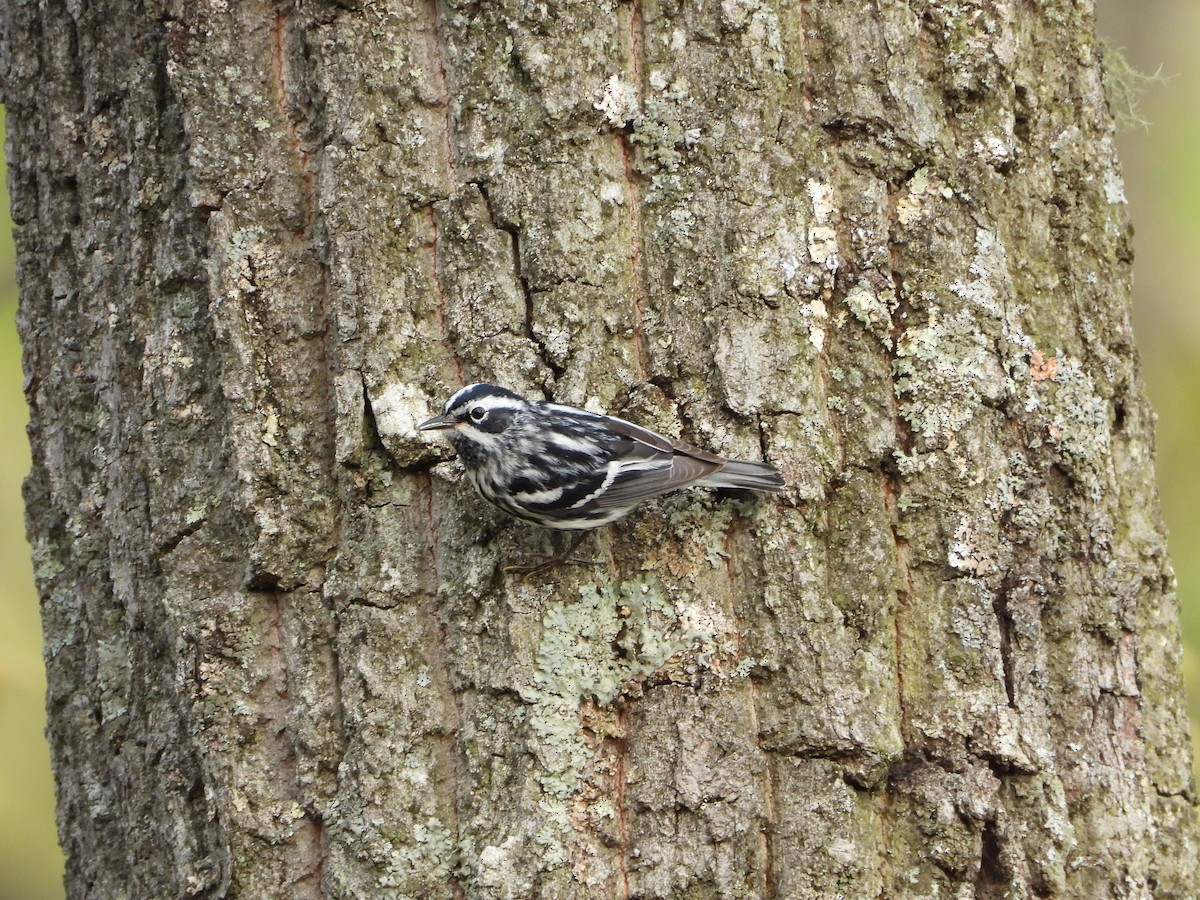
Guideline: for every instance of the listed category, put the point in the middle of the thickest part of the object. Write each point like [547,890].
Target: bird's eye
[478,414]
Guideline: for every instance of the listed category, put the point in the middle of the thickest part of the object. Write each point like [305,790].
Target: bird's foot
[541,563]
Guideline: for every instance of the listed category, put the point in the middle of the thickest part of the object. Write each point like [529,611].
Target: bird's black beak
[437,423]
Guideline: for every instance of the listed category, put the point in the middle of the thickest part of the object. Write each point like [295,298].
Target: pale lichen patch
[943,369]
[913,204]
[497,867]
[399,407]
[873,310]
[617,99]
[989,265]
[270,427]
[966,554]
[1114,187]
[818,317]
[433,854]
[113,671]
[821,195]
[591,650]
[761,30]
[823,247]
[1077,421]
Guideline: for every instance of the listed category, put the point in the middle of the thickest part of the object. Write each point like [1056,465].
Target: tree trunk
[883,245]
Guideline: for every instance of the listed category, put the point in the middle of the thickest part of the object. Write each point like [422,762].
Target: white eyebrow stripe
[613,468]
[490,403]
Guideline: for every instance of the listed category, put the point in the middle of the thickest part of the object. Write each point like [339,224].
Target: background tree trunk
[885,246]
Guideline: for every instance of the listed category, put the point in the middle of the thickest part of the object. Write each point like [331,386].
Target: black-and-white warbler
[566,468]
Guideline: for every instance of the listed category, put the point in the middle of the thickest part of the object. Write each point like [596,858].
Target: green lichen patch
[1077,422]
[873,309]
[591,650]
[434,853]
[940,370]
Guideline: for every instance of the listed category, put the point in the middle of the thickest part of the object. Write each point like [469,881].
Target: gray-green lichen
[432,852]
[592,650]
[113,678]
[1124,87]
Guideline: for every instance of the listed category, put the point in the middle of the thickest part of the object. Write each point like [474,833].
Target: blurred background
[1161,165]
[1162,179]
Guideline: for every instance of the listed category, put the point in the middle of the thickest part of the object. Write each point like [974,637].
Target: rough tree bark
[883,244]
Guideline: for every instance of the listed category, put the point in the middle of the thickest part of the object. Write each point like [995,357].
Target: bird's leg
[547,562]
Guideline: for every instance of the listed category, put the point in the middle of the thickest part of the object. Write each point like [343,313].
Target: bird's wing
[658,442]
[648,464]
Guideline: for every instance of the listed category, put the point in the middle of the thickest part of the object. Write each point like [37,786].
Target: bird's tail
[745,475]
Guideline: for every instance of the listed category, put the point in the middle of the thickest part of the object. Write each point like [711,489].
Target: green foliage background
[1162,174]
[30,861]
[1162,184]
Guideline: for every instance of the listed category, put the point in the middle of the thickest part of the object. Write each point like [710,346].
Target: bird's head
[479,413]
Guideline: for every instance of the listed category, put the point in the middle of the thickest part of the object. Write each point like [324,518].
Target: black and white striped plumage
[566,468]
